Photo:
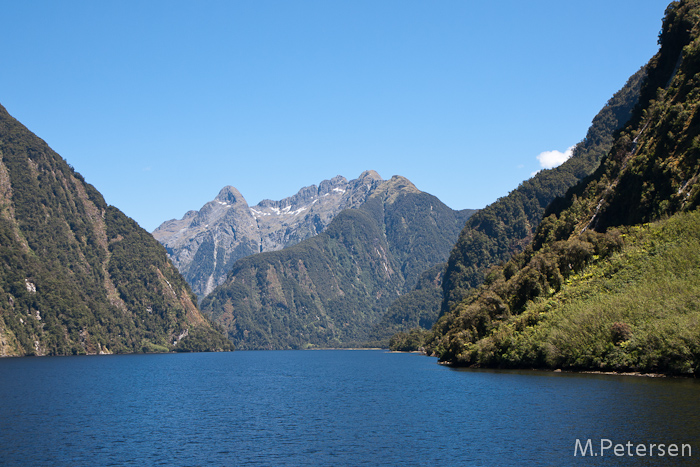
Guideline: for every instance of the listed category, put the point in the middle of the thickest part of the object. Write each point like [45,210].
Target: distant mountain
[332,289]
[610,280]
[76,275]
[205,244]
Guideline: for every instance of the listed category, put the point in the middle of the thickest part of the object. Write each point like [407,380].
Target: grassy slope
[634,310]
[505,227]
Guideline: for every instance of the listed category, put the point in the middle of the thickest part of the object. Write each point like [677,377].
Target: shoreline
[590,372]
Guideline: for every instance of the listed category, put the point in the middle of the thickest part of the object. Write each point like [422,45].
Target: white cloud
[551,159]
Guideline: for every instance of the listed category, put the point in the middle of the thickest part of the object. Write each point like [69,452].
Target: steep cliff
[76,275]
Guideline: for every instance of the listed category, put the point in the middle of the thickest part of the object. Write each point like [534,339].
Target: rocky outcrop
[205,244]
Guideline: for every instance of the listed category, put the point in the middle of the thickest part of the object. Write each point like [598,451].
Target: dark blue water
[327,408]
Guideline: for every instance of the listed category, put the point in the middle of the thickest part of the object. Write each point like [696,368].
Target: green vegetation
[332,290]
[413,340]
[76,275]
[418,309]
[597,288]
[205,339]
[506,226]
[636,309]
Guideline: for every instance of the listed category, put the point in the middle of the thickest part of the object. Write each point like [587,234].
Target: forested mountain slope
[76,275]
[506,226]
[503,228]
[331,289]
[600,287]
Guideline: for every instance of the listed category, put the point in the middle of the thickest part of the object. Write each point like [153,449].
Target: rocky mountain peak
[230,195]
[370,175]
[327,186]
[392,188]
[228,229]
[398,182]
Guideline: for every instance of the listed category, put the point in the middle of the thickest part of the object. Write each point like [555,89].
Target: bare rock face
[205,244]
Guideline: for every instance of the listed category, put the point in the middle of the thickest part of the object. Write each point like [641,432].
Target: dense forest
[76,275]
[609,280]
[506,226]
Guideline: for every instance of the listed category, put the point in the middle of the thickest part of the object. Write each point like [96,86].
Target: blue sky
[159,104]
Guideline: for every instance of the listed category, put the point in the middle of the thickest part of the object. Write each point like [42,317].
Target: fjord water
[327,408]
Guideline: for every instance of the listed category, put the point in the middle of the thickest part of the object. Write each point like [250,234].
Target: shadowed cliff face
[76,275]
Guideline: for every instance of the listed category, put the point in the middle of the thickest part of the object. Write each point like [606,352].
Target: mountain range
[205,244]
[592,265]
[332,289]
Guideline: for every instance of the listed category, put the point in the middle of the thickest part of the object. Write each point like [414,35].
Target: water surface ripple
[330,408]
